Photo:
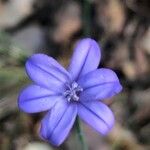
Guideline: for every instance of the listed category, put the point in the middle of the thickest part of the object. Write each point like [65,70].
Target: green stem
[80,135]
[87,17]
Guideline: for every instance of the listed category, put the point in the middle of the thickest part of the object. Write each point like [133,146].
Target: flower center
[72,92]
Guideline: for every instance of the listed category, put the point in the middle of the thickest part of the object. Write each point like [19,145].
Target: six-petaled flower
[66,93]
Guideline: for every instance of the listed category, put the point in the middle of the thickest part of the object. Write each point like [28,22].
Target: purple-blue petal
[86,58]
[37,99]
[58,122]
[97,115]
[99,84]
[47,72]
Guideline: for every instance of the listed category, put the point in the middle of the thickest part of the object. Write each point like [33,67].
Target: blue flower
[79,90]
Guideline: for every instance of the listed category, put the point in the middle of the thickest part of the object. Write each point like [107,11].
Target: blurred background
[122,29]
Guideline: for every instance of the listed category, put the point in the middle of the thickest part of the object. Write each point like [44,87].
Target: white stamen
[72,92]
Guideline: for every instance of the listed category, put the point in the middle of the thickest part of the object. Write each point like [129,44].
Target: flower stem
[86,17]
[80,135]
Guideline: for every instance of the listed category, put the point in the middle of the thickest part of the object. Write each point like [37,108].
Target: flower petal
[86,58]
[99,84]
[46,72]
[58,122]
[36,99]
[97,115]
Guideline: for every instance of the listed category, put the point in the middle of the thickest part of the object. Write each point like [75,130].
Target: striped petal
[46,72]
[58,122]
[99,84]
[97,115]
[37,99]
[86,58]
